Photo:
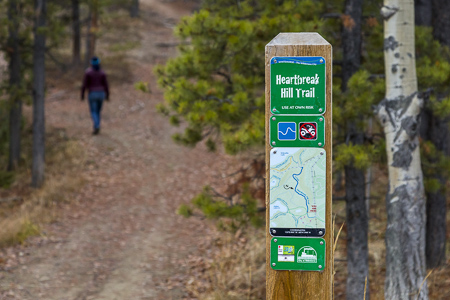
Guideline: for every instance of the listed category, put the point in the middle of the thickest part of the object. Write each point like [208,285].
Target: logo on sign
[307,255]
[308,131]
[286,253]
[287,131]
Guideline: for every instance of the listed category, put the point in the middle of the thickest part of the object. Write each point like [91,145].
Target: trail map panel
[300,254]
[297,191]
[297,85]
[297,131]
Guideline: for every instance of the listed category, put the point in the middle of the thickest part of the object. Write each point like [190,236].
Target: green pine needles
[216,85]
[229,216]
[214,88]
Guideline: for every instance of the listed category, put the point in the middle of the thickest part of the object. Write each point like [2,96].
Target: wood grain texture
[296,284]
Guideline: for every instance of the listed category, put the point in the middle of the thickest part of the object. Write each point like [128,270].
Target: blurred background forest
[195,70]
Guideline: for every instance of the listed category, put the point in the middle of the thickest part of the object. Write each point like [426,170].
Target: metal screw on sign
[275,240]
[275,61]
[273,119]
[274,109]
[320,266]
[321,60]
[274,151]
[274,264]
[321,119]
[273,143]
[320,109]
[321,232]
[321,153]
[321,243]
[274,231]
[320,144]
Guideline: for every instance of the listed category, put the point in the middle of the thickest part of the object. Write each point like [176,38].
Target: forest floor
[119,237]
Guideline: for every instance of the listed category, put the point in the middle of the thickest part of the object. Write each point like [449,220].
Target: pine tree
[76,28]
[216,84]
[437,132]
[216,87]
[38,163]
[356,89]
[15,78]
[92,30]
[356,212]
[134,8]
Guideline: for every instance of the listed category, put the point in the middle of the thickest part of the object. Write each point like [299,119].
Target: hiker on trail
[97,85]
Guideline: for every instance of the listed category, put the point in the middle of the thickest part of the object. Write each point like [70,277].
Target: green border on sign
[297,85]
[309,254]
[319,141]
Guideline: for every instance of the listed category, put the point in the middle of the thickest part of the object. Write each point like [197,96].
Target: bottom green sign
[297,254]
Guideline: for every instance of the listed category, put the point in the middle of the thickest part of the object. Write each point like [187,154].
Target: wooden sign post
[299,240]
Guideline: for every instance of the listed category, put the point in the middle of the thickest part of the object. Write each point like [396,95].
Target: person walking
[97,85]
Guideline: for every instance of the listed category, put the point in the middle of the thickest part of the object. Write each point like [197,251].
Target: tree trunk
[15,118]
[399,114]
[134,9]
[88,55]
[435,129]
[441,21]
[357,220]
[93,32]
[76,50]
[438,134]
[422,12]
[93,28]
[15,112]
[351,40]
[38,164]
[357,228]
[436,223]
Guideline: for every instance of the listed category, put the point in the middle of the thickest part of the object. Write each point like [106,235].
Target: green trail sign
[297,85]
[300,254]
[297,131]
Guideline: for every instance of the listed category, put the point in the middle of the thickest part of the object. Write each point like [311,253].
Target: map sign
[297,131]
[297,85]
[297,191]
[300,254]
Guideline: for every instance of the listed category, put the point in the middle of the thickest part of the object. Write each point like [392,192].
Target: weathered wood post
[299,240]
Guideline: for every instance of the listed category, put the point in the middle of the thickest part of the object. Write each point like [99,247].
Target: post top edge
[298,38]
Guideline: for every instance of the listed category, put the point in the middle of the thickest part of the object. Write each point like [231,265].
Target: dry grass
[24,218]
[438,280]
[234,270]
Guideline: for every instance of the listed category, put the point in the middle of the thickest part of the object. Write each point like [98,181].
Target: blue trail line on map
[301,193]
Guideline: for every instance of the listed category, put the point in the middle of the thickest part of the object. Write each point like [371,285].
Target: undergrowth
[24,210]
[234,271]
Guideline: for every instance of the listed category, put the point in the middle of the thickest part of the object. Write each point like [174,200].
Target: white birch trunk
[399,115]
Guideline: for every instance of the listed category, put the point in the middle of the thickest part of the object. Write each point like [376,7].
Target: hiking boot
[96,131]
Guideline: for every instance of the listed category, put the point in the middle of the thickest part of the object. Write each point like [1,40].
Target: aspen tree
[399,114]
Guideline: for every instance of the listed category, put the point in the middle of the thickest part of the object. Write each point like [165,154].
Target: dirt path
[120,237]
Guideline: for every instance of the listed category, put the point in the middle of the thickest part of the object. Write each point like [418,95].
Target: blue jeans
[95,105]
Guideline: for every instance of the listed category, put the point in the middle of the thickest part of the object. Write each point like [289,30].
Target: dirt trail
[120,237]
